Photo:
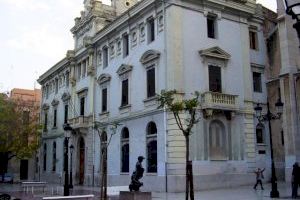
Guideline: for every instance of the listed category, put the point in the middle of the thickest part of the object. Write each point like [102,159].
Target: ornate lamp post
[268,117]
[67,129]
[71,161]
[292,7]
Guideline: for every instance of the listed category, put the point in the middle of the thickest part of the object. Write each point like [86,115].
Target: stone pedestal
[124,195]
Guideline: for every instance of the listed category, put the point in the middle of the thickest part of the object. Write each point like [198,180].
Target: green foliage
[18,138]
[168,100]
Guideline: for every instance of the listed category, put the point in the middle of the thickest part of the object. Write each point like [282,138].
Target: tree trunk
[187,155]
[191,180]
[103,185]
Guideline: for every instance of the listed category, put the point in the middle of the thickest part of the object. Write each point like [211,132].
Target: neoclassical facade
[125,54]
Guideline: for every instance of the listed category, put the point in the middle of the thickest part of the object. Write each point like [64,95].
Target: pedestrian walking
[295,180]
[259,177]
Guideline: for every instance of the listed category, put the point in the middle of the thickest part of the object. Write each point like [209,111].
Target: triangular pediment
[66,96]
[45,106]
[215,52]
[54,102]
[124,69]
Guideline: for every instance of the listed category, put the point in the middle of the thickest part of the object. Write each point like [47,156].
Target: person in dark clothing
[295,180]
[259,177]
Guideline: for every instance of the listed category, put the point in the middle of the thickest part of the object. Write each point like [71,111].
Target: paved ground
[237,193]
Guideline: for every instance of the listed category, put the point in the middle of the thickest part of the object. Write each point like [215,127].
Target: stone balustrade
[219,101]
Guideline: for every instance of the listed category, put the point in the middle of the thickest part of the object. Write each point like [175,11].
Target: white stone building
[126,53]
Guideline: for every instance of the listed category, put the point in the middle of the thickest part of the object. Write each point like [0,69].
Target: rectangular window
[151,30]
[47,91]
[215,83]
[56,86]
[66,114]
[151,82]
[54,117]
[104,100]
[257,82]
[83,68]
[79,71]
[124,100]
[105,57]
[45,121]
[67,79]
[125,45]
[82,102]
[253,40]
[211,23]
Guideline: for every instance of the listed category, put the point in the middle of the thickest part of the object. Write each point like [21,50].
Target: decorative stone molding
[215,52]
[73,81]
[70,54]
[87,41]
[103,78]
[54,102]
[45,106]
[65,97]
[91,70]
[124,69]
[82,92]
[149,56]
[241,1]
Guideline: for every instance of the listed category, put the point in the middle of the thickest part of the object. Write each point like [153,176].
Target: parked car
[8,178]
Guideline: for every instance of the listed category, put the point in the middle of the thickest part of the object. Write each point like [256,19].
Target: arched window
[54,157]
[217,141]
[45,157]
[151,147]
[125,150]
[260,134]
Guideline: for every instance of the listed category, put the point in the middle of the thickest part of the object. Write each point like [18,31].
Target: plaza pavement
[236,193]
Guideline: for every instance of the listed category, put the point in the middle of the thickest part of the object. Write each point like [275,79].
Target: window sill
[218,159]
[151,173]
[124,173]
[261,144]
[104,115]
[54,128]
[151,101]
[125,108]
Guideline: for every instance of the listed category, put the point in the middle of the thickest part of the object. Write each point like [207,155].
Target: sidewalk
[237,193]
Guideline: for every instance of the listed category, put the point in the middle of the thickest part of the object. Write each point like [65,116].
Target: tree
[185,114]
[105,139]
[19,130]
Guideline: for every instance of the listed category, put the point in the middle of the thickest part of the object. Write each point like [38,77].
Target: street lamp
[71,178]
[292,7]
[67,129]
[268,117]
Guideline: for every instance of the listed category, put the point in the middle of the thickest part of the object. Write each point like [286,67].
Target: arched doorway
[81,160]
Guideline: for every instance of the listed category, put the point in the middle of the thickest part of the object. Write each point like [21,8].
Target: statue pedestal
[135,195]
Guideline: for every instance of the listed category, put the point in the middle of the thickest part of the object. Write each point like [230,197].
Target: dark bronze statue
[137,175]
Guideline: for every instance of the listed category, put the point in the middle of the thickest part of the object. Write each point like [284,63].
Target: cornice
[50,73]
[122,19]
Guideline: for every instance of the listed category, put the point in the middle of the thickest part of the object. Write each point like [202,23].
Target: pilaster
[175,147]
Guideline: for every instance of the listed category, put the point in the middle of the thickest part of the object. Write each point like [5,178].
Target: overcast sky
[36,34]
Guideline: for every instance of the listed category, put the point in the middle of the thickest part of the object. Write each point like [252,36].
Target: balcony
[219,101]
[80,121]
